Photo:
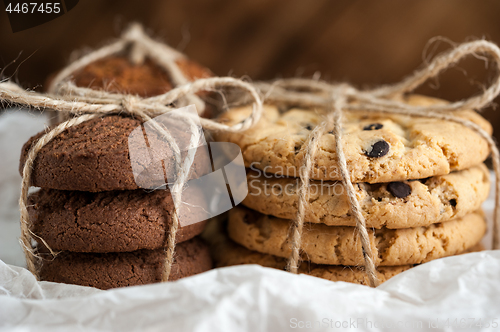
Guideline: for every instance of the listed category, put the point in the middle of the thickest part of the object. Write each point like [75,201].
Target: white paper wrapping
[462,290]
[16,127]
[457,293]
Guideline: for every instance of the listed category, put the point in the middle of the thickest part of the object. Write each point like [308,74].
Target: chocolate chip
[424,180]
[378,150]
[373,126]
[276,189]
[250,217]
[399,189]
[309,127]
[297,149]
[453,202]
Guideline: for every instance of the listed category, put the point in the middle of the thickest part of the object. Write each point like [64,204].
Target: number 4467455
[32,7]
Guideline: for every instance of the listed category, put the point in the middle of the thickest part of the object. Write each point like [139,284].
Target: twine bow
[85,104]
[340,97]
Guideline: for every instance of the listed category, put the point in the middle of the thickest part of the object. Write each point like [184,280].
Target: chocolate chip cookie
[228,253]
[340,245]
[400,204]
[378,147]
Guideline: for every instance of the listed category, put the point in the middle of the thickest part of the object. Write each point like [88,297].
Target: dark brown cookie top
[94,156]
[135,268]
[116,221]
[118,74]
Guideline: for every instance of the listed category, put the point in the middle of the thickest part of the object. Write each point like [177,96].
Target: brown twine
[340,97]
[85,104]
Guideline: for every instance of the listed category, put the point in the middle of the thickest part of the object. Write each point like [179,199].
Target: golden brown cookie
[378,147]
[340,245]
[393,205]
[234,254]
[226,252]
[231,253]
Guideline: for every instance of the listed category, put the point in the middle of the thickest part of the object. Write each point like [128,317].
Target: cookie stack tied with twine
[91,224]
[361,185]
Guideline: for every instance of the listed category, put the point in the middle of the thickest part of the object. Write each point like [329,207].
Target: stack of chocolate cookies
[105,230]
[420,183]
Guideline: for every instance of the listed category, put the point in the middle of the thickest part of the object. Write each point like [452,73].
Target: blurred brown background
[363,42]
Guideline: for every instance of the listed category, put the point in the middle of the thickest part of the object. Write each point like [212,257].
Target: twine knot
[134,32]
[129,103]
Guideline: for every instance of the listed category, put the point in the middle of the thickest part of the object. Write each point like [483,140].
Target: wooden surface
[363,42]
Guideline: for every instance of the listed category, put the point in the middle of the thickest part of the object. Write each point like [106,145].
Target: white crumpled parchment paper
[456,293]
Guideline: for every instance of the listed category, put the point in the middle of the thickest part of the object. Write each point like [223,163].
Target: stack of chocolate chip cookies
[105,230]
[420,183]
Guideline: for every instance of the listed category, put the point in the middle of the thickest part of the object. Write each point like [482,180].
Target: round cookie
[230,253]
[234,254]
[340,245]
[119,75]
[392,205]
[378,147]
[226,252]
[94,156]
[135,268]
[116,221]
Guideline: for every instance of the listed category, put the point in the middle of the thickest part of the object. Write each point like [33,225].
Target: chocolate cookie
[116,221]
[113,270]
[378,147]
[340,245]
[393,205]
[118,74]
[94,156]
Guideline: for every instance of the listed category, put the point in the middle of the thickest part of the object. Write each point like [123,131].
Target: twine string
[26,233]
[338,103]
[333,119]
[176,192]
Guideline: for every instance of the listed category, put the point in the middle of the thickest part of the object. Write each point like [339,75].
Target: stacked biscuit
[107,232]
[420,184]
